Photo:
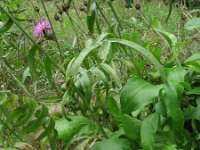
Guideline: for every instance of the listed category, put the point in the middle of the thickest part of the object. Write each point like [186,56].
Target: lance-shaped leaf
[91,16]
[6,26]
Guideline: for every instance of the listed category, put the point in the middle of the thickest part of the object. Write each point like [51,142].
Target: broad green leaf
[138,93]
[67,129]
[148,130]
[6,26]
[175,77]
[131,127]
[114,109]
[193,24]
[173,108]
[112,144]
[3,97]
[170,147]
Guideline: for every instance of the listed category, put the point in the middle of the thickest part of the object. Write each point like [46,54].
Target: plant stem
[116,16]
[56,40]
[107,22]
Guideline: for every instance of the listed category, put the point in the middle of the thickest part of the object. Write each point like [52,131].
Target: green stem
[56,40]
[107,22]
[116,16]
[74,28]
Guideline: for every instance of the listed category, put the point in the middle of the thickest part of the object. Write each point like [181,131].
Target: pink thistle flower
[41,28]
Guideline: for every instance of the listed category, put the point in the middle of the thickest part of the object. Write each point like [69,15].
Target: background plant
[112,75]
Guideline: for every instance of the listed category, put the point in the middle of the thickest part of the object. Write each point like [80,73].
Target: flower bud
[85,3]
[82,8]
[137,6]
[65,7]
[36,9]
[56,17]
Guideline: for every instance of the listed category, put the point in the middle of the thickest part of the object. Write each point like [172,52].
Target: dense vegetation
[100,75]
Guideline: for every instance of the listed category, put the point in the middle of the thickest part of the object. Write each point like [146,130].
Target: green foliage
[115,76]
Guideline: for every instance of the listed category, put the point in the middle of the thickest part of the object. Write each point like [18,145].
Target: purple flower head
[42,27]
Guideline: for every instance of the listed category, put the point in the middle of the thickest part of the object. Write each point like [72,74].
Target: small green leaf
[48,69]
[31,61]
[3,97]
[114,109]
